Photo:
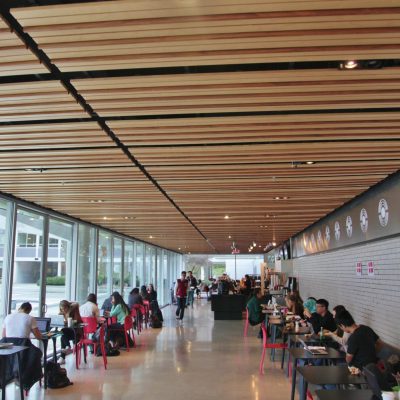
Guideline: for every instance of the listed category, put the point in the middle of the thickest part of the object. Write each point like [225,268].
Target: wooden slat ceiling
[132,34]
[215,143]
[15,58]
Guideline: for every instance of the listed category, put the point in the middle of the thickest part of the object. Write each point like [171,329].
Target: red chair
[246,324]
[146,312]
[141,313]
[90,328]
[135,314]
[126,329]
[267,345]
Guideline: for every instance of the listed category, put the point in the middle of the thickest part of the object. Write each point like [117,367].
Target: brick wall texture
[372,300]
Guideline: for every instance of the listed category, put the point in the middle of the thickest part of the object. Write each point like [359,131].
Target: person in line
[151,293]
[107,304]
[247,285]
[90,308]
[192,284]
[181,289]
[69,310]
[322,318]
[338,336]
[134,298]
[21,324]
[198,289]
[294,306]
[362,343]
[119,310]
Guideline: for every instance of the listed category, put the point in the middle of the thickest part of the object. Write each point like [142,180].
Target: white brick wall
[374,301]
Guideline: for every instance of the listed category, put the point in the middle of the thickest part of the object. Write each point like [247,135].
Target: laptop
[315,350]
[57,321]
[43,325]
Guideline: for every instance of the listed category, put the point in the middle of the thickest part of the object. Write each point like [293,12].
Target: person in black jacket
[322,319]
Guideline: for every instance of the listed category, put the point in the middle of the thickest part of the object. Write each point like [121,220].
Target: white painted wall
[372,300]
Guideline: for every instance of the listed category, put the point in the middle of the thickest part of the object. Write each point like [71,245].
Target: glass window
[139,264]
[28,262]
[117,264]
[5,208]
[129,267]
[59,265]
[104,267]
[85,281]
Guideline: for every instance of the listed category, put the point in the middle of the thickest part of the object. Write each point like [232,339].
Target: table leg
[294,362]
[273,341]
[305,388]
[3,377]
[54,339]
[45,345]
[21,389]
[288,361]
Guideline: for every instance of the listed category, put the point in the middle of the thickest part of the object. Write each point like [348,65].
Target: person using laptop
[21,324]
[90,308]
[362,343]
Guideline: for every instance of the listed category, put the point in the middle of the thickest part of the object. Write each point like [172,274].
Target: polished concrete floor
[200,359]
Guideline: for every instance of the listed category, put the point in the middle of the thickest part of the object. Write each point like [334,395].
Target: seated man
[361,345]
[322,318]
[256,315]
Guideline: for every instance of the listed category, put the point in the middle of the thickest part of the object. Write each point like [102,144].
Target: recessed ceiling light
[285,197]
[179,248]
[104,217]
[226,217]
[351,64]
[310,162]
[277,198]
[150,237]
[254,244]
[229,237]
[274,244]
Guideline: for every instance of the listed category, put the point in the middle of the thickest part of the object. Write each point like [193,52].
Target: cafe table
[327,375]
[274,322]
[297,354]
[6,354]
[358,394]
[290,335]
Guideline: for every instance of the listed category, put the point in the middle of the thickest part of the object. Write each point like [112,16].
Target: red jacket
[182,286]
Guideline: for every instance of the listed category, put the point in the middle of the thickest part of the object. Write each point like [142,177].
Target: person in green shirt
[254,306]
[119,310]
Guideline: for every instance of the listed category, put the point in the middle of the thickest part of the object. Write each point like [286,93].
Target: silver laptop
[315,350]
[57,321]
[43,324]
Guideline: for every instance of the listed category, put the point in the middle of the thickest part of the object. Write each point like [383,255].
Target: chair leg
[262,362]
[126,341]
[246,328]
[309,395]
[283,358]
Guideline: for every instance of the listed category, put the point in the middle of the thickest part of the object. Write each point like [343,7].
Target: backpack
[56,376]
[155,322]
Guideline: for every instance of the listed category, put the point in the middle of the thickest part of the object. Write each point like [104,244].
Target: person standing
[181,289]
[192,281]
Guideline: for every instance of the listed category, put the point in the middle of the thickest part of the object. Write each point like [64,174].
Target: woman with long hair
[119,310]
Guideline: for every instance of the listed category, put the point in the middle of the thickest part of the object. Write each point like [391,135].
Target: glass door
[28,261]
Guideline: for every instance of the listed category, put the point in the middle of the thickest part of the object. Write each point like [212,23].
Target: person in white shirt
[90,308]
[21,324]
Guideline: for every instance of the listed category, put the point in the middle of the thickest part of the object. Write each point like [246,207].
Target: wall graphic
[374,215]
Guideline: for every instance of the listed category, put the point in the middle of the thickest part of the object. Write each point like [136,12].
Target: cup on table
[69,322]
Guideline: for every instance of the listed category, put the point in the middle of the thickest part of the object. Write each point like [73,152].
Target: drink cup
[69,322]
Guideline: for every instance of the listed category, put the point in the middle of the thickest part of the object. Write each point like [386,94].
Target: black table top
[302,354]
[12,350]
[302,331]
[344,394]
[332,375]
[313,339]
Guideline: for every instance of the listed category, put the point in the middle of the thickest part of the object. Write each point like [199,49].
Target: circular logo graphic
[313,244]
[327,234]
[349,226]
[337,230]
[319,238]
[364,220]
[383,212]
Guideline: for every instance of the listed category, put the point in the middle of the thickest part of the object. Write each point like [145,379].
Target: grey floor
[200,359]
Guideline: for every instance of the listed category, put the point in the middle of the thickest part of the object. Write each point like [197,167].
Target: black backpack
[56,376]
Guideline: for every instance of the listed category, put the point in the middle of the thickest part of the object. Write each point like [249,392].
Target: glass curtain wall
[140,264]
[104,267]
[28,266]
[117,264]
[5,239]
[129,267]
[86,264]
[59,265]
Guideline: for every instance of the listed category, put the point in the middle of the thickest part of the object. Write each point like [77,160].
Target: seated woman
[119,310]
[294,306]
[69,310]
[90,308]
[151,293]
[17,328]
[143,292]
[134,298]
